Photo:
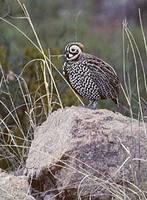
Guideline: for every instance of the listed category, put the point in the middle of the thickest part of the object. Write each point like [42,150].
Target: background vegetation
[31,85]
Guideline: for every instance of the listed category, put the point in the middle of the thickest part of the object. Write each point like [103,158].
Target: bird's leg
[93,105]
[90,104]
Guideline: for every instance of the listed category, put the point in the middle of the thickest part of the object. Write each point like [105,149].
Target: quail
[89,76]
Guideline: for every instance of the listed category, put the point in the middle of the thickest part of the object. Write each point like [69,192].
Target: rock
[82,153]
[12,187]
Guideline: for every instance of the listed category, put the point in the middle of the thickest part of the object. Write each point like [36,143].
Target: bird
[89,76]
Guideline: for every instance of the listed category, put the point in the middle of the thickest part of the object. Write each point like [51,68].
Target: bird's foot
[93,105]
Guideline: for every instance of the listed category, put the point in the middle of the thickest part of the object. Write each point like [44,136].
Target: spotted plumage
[88,75]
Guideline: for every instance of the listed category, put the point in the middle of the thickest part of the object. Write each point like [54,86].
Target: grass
[15,141]
[135,52]
[29,101]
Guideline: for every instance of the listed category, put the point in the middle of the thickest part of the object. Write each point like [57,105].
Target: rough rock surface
[82,153]
[12,187]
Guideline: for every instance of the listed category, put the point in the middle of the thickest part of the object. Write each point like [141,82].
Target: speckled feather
[92,78]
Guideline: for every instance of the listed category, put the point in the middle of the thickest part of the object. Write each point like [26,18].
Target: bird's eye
[73,50]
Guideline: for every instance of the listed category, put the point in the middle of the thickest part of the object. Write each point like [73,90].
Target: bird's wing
[105,76]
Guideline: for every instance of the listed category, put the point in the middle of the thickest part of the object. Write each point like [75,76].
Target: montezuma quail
[88,75]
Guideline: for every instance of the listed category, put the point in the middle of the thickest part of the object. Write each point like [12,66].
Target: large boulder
[13,188]
[79,153]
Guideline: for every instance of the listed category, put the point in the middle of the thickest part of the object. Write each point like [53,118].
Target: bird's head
[73,51]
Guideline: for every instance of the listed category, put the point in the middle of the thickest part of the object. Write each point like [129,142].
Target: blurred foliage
[97,24]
